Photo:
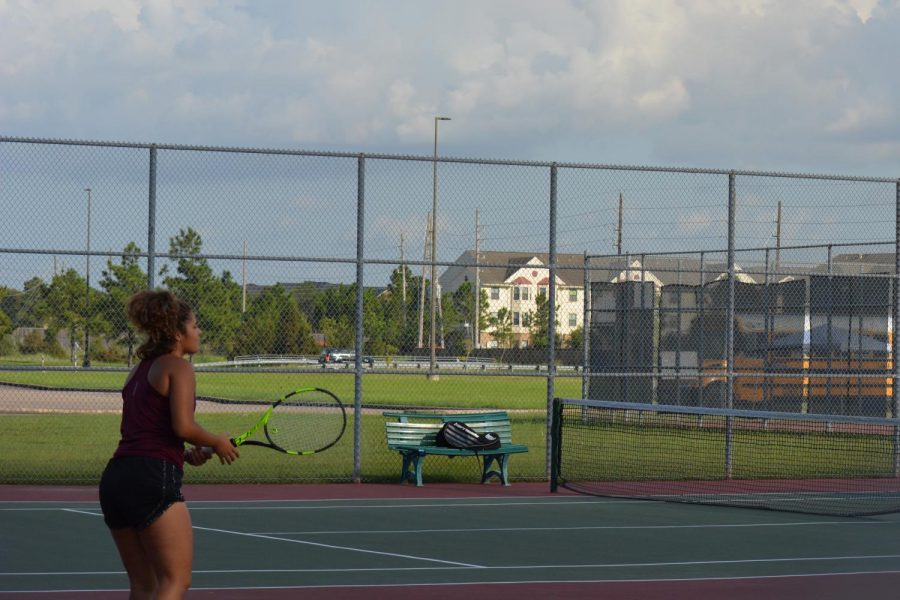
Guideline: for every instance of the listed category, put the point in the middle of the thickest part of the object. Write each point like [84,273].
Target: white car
[331,355]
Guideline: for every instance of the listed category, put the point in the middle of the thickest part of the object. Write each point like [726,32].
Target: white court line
[504,504]
[524,529]
[576,528]
[551,499]
[528,529]
[34,509]
[475,583]
[457,565]
[511,499]
[57,502]
[553,581]
[800,559]
[82,512]
[198,505]
[304,542]
[301,500]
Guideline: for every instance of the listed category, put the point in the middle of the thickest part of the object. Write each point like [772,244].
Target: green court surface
[403,542]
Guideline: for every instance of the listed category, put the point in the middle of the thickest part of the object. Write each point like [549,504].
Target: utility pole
[244,281]
[403,276]
[778,238]
[87,291]
[619,228]
[440,312]
[477,337]
[432,374]
[425,260]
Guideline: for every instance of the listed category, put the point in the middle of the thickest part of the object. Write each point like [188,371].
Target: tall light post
[432,373]
[87,291]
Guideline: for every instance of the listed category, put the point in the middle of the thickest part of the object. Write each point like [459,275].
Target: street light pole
[432,372]
[87,291]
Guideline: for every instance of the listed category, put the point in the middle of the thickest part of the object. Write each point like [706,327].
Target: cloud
[863,114]
[665,101]
[739,82]
[863,8]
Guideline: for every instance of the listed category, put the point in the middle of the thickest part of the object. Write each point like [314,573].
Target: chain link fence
[692,287]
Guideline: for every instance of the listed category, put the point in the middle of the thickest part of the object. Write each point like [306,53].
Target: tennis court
[398,541]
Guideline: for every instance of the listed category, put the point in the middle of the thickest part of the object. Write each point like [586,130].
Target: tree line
[277,320]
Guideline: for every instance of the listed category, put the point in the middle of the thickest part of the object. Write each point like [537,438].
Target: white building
[514,280]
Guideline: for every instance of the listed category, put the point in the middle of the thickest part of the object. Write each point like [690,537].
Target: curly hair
[159,314]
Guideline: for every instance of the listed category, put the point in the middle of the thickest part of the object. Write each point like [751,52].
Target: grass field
[451,391]
[73,449]
[599,450]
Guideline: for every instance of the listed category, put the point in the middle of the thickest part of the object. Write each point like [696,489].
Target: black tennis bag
[454,434]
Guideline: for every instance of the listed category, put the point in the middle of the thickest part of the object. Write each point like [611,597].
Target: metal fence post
[357,384]
[551,319]
[701,302]
[585,327]
[555,445]
[895,345]
[151,222]
[729,328]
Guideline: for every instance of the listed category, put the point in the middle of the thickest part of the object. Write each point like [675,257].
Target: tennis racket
[303,422]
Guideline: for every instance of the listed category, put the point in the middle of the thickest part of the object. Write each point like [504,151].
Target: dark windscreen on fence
[781,461]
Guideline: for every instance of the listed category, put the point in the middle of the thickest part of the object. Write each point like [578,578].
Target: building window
[495,293]
[526,320]
[573,295]
[573,320]
[542,291]
[516,293]
[515,318]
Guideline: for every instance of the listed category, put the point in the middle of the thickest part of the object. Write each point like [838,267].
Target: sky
[807,86]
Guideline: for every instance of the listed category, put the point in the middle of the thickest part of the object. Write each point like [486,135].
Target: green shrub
[33,343]
[111,353]
[7,345]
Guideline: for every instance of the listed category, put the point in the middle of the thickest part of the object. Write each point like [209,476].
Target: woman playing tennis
[140,490]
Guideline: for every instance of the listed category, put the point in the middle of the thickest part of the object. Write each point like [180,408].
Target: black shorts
[136,490]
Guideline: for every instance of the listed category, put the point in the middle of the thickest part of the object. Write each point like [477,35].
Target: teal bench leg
[412,468]
[487,472]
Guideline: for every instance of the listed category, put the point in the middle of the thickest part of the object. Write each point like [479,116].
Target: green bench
[413,435]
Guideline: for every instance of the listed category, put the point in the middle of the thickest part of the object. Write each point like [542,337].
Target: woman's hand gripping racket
[304,422]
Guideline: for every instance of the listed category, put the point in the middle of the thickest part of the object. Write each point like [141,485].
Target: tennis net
[821,464]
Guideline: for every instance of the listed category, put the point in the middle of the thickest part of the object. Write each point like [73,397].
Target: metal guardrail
[411,363]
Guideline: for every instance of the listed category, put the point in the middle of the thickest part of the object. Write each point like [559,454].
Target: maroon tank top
[147,421]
